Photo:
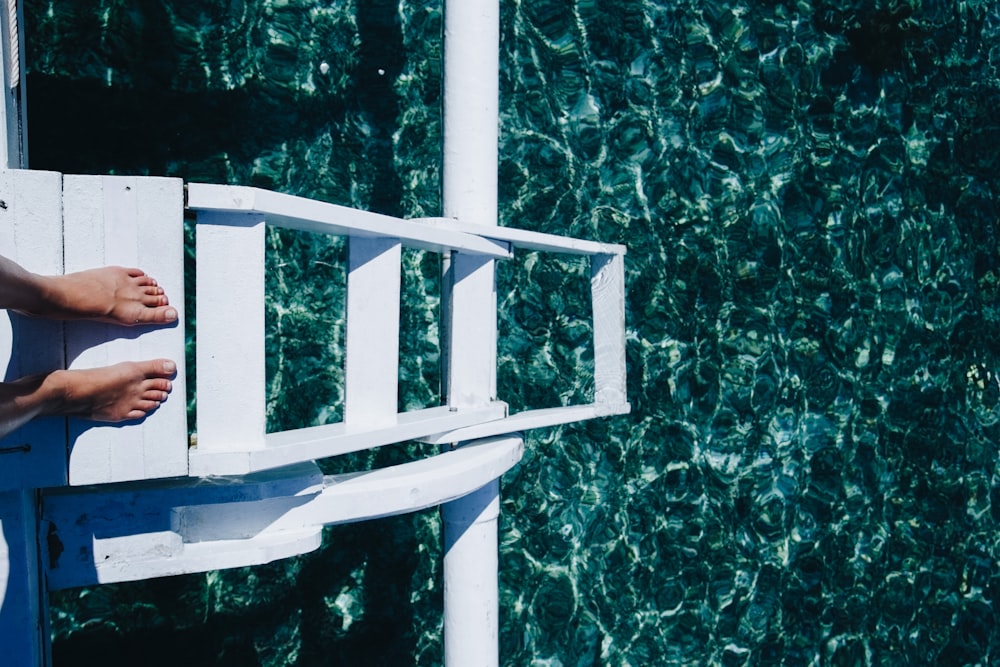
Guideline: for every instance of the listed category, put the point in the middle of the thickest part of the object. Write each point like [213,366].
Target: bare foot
[129,390]
[108,294]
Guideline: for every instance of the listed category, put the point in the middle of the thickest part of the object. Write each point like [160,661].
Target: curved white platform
[100,535]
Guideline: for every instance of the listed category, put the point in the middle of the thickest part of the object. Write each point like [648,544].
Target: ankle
[50,295]
[53,392]
[34,294]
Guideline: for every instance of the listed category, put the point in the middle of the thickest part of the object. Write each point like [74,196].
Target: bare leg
[125,391]
[112,294]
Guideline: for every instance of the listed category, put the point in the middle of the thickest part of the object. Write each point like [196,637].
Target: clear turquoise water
[809,195]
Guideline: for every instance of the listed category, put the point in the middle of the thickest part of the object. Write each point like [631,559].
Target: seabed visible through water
[808,191]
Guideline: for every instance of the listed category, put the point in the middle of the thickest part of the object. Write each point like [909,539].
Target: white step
[127,532]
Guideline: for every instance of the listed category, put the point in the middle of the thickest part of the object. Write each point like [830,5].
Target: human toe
[153,297]
[165,368]
[140,276]
[158,314]
[158,386]
[156,395]
[142,408]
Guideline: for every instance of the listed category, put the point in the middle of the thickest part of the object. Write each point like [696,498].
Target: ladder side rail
[316,442]
[309,215]
[526,420]
[526,239]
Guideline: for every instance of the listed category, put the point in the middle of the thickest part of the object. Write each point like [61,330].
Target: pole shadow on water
[250,633]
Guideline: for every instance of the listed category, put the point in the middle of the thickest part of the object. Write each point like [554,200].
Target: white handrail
[309,215]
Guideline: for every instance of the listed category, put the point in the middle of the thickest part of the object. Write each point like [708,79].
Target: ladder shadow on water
[383,633]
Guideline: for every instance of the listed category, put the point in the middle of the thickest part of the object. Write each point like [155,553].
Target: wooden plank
[372,340]
[320,217]
[132,222]
[31,234]
[83,198]
[207,556]
[608,294]
[230,336]
[161,249]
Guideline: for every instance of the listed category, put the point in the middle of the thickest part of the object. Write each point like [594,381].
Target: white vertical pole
[471,600]
[471,120]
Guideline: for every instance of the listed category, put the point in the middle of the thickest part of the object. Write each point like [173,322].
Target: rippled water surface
[809,193]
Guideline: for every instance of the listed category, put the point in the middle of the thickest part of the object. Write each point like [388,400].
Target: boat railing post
[471,591]
[469,185]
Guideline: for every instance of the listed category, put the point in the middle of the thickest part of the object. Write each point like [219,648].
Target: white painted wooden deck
[55,224]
